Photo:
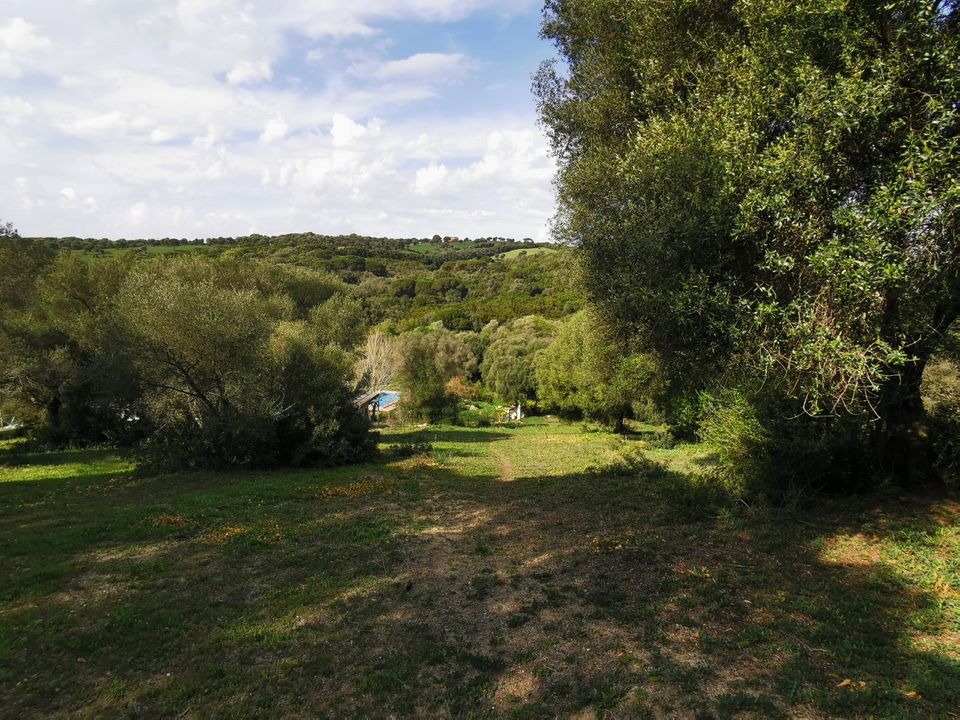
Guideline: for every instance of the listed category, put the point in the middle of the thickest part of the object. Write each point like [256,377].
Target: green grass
[524,252]
[532,571]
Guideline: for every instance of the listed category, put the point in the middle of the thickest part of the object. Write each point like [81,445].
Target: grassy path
[593,584]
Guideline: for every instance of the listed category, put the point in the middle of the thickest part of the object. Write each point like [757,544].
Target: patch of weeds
[411,449]
[483,546]
[518,619]
[733,704]
[554,597]
[607,694]
[661,440]
[116,689]
[393,675]
[481,663]
[482,586]
[530,711]
[522,656]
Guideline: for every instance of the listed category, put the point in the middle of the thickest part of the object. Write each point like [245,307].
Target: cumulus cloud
[345,131]
[246,72]
[425,66]
[19,43]
[430,178]
[14,110]
[275,129]
[221,117]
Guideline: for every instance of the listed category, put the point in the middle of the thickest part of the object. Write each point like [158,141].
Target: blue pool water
[387,399]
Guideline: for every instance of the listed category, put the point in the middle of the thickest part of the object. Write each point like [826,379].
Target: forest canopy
[768,191]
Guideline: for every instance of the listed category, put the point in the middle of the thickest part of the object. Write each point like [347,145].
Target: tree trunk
[54,421]
[901,436]
[620,426]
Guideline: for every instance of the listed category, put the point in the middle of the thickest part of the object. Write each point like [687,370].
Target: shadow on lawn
[417,594]
[17,457]
[444,434]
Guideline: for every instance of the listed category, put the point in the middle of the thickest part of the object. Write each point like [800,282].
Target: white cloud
[248,73]
[439,67]
[344,131]
[162,134]
[211,137]
[430,178]
[204,118]
[275,129]
[137,213]
[19,43]
[15,110]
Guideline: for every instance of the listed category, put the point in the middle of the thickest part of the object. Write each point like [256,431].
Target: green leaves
[775,180]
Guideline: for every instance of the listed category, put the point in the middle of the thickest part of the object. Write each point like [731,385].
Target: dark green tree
[62,364]
[508,368]
[8,230]
[236,376]
[584,372]
[425,363]
[771,183]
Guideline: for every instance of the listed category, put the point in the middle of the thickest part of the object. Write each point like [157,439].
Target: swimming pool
[387,399]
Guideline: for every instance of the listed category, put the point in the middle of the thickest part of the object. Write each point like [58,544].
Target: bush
[426,363]
[941,397]
[662,440]
[769,451]
[406,449]
[238,378]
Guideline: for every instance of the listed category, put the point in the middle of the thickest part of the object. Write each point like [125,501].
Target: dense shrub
[769,450]
[584,373]
[941,395]
[235,377]
[411,449]
[508,369]
[426,362]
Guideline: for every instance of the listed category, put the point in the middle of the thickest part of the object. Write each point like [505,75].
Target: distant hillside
[404,283]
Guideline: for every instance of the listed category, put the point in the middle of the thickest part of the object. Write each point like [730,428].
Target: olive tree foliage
[209,363]
[426,362]
[508,368]
[770,182]
[585,372]
[62,366]
[237,376]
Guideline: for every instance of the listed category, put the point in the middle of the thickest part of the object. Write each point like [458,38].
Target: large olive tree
[768,180]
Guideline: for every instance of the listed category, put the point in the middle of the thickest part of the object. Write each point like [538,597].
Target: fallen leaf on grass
[848,683]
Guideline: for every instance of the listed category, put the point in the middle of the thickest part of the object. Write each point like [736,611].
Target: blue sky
[196,118]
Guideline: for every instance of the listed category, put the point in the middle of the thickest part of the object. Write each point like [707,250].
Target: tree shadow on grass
[444,434]
[15,457]
[625,592]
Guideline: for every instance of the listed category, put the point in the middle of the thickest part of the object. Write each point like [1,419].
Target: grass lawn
[538,571]
[522,252]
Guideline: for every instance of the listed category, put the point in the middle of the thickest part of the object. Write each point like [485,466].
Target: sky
[208,118]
